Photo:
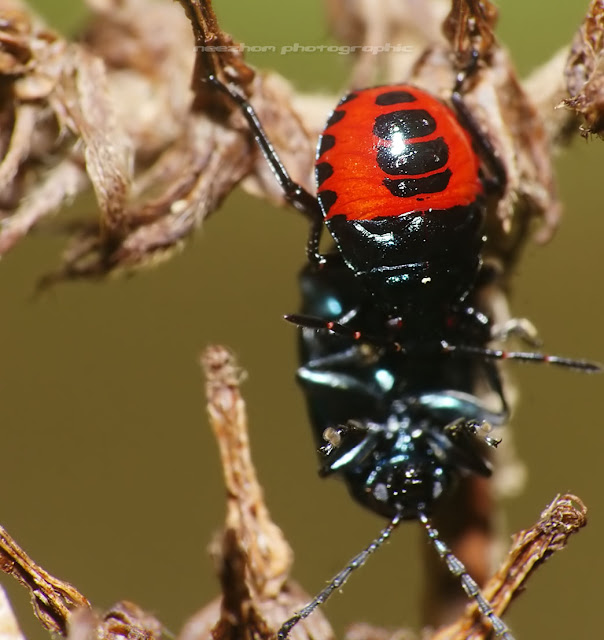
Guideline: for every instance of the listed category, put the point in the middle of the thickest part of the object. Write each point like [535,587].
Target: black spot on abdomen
[409,123]
[411,187]
[323,171]
[327,143]
[326,199]
[413,158]
[335,117]
[394,97]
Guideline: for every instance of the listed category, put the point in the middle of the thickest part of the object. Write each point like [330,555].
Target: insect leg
[294,193]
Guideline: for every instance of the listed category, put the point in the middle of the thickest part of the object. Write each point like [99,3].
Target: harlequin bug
[388,322]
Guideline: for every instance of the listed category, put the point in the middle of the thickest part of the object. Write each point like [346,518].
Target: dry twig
[584,79]
[53,600]
[254,560]
[529,550]
[115,111]
[64,610]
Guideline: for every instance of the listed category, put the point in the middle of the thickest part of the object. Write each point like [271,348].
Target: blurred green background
[106,452]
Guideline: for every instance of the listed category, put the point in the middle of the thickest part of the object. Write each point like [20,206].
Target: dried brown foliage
[253,558]
[115,111]
[125,110]
[584,71]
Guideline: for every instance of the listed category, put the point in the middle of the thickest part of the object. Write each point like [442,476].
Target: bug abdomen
[390,151]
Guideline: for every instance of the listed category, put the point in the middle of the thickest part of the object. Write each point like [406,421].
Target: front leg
[464,448]
[293,192]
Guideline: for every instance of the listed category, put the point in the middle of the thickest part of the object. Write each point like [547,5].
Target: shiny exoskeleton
[391,344]
[399,185]
[399,427]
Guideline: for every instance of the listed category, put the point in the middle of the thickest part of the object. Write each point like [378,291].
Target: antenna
[340,578]
[457,568]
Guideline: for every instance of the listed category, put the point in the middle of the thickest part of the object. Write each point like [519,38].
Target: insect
[407,217]
[390,336]
[398,428]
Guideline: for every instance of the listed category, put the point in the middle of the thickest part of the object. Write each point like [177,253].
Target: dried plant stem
[254,559]
[53,600]
[115,108]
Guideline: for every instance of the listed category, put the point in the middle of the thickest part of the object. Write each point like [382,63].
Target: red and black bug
[400,187]
[402,180]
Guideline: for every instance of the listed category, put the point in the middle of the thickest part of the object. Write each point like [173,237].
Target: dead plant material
[217,53]
[509,119]
[384,43]
[530,549]
[53,600]
[584,79]
[469,28]
[124,621]
[254,560]
[115,111]
[63,609]
[252,556]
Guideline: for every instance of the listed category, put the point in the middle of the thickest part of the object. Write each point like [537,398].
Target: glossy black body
[398,451]
[415,263]
[390,344]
